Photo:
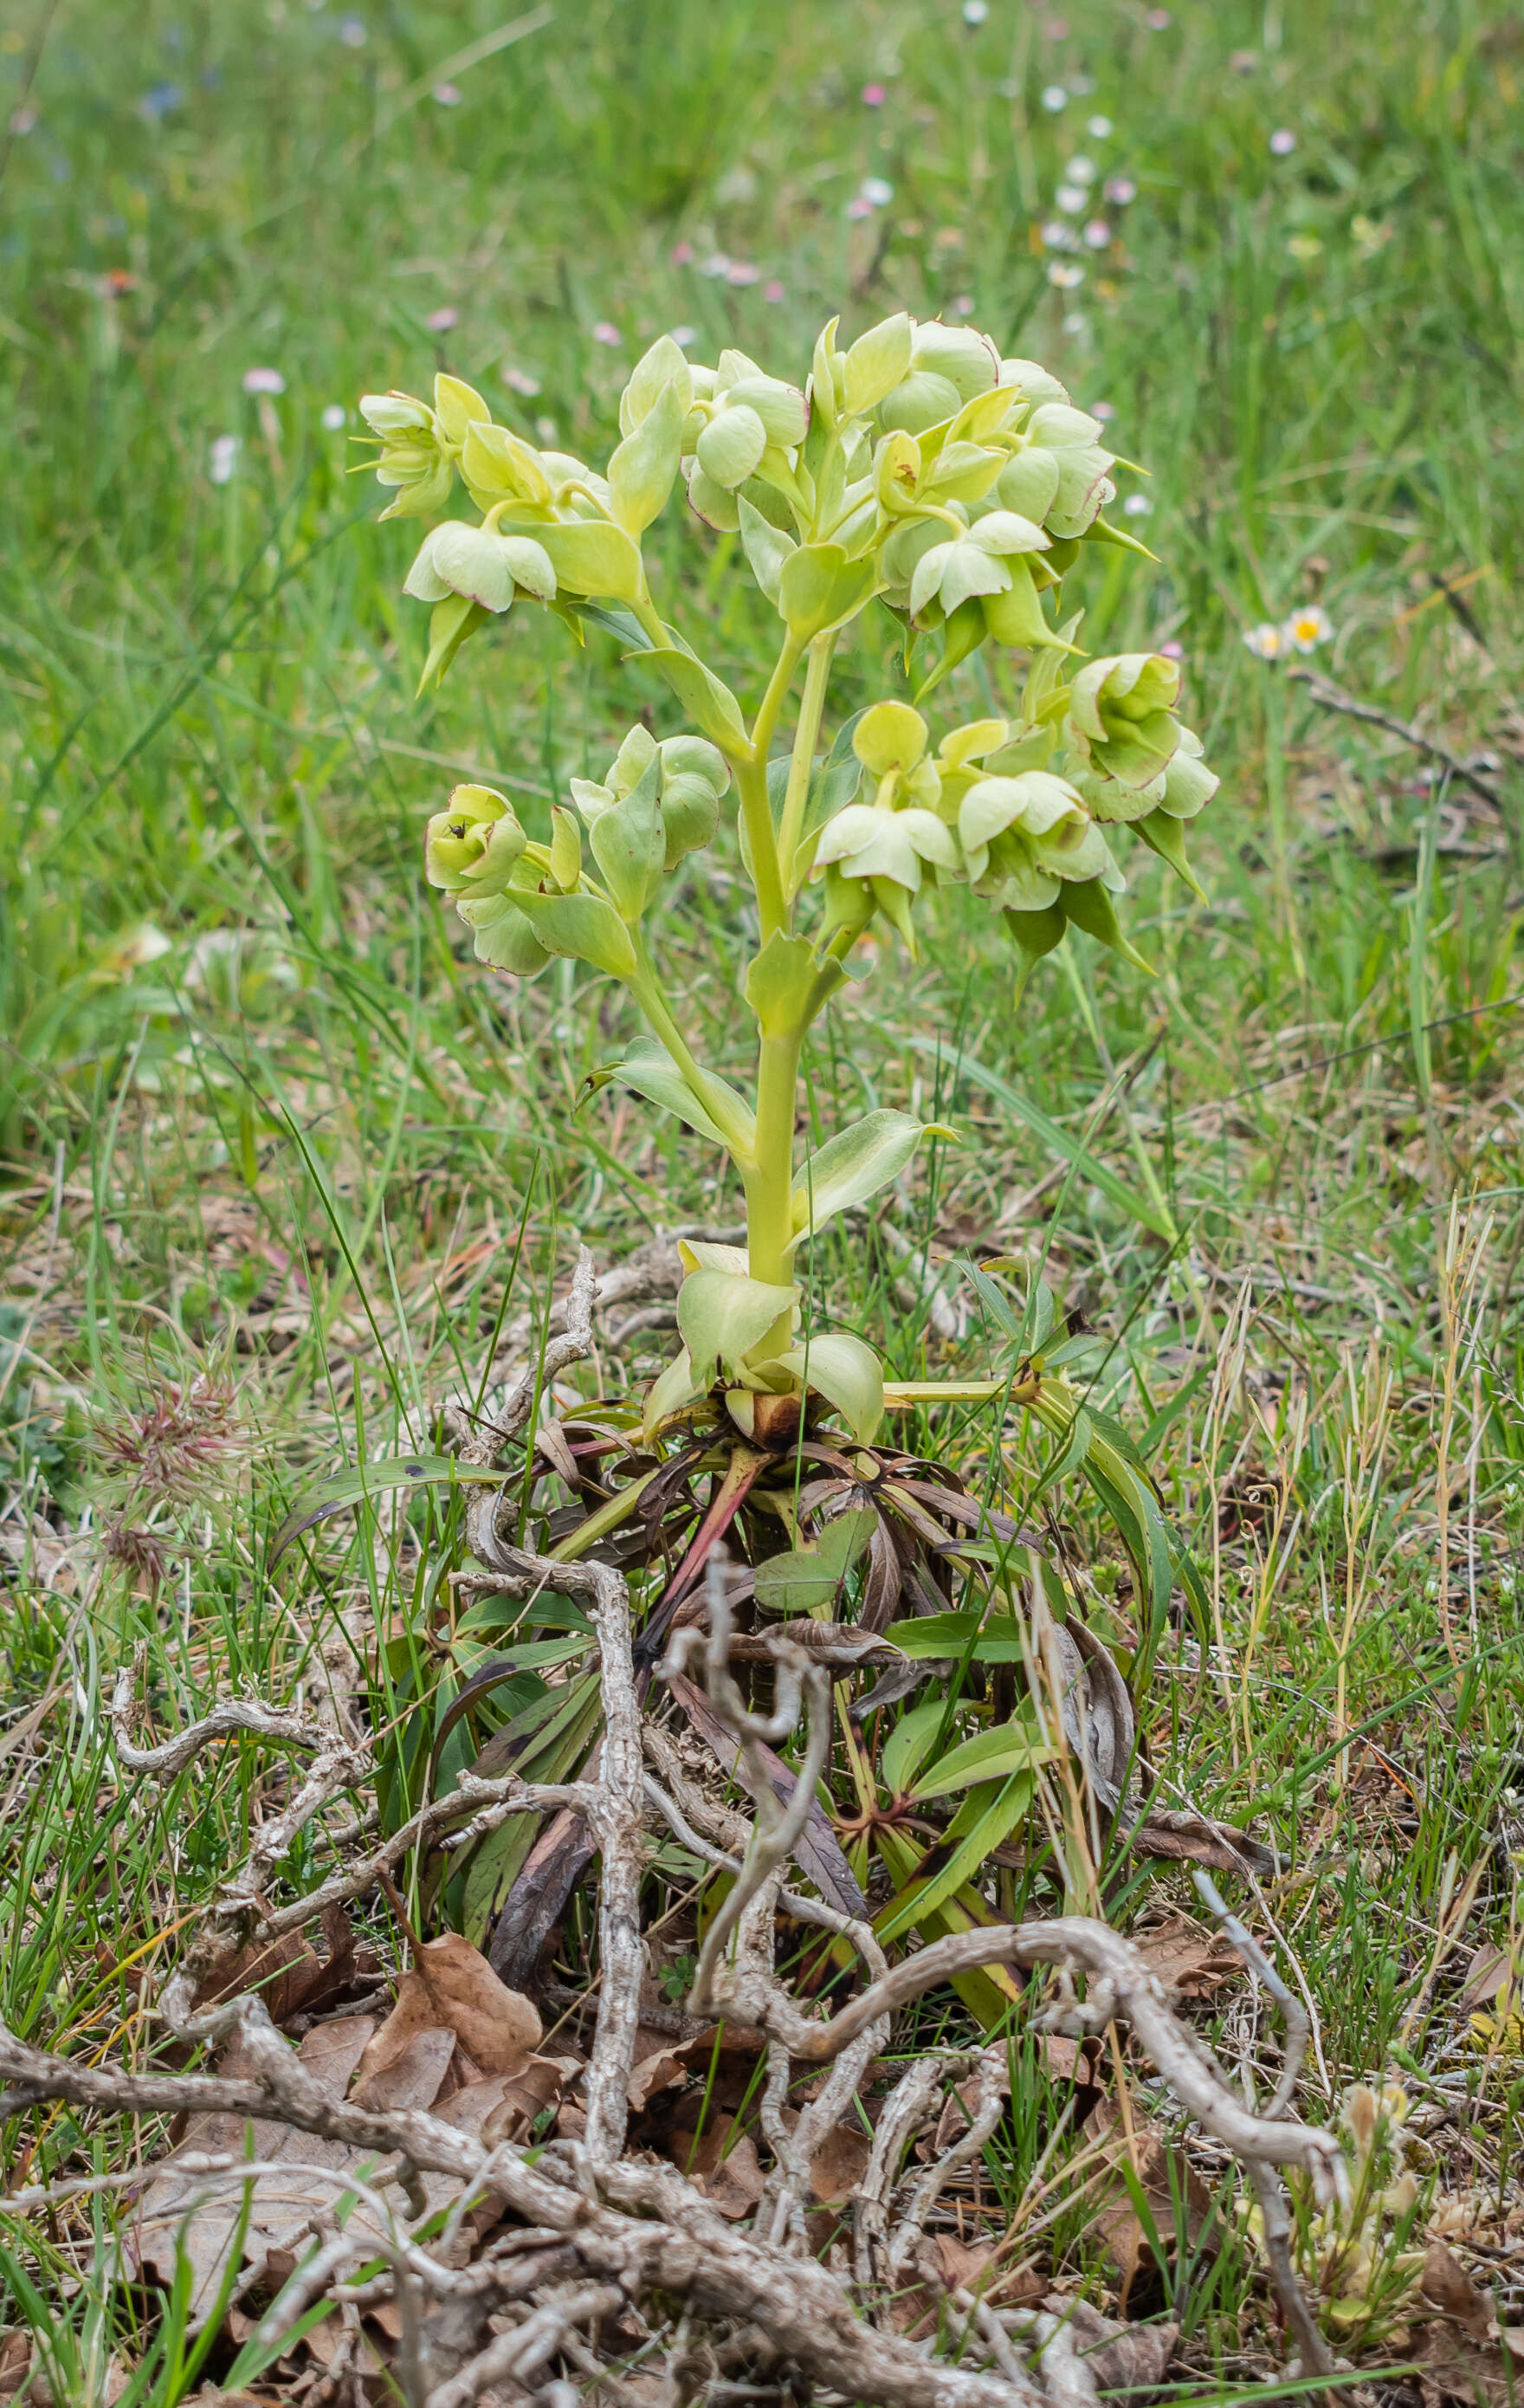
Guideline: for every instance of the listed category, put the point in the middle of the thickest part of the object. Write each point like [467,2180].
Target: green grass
[260,1118]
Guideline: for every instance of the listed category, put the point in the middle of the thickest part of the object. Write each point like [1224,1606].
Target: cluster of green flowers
[918,467]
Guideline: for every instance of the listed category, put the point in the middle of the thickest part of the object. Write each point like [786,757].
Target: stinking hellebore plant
[919,470]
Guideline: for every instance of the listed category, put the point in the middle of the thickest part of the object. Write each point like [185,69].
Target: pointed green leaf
[582,926]
[643,469]
[915,1733]
[590,556]
[856,1164]
[802,1579]
[766,547]
[650,1070]
[372,1480]
[818,589]
[629,844]
[983,1822]
[710,705]
[723,1315]
[989,1637]
[989,1756]
[845,1372]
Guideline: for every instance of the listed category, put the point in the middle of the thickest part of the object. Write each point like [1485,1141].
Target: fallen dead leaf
[1490,1971]
[1192,1962]
[412,2077]
[173,2204]
[453,1987]
[731,2178]
[1452,2367]
[15,2362]
[839,2164]
[1120,2357]
[289,1975]
[663,2070]
[537,2085]
[1446,2286]
[1173,2191]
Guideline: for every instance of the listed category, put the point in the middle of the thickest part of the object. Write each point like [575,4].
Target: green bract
[918,471]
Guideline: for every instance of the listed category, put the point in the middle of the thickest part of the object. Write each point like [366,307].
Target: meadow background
[263,1122]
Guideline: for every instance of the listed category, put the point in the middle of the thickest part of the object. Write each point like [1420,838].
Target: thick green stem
[761,845]
[811,712]
[769,1183]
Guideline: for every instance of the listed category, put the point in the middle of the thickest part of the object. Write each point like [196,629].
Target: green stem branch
[811,712]
[708,1091]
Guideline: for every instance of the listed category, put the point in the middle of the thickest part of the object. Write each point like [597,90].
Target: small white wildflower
[1309,628]
[1266,641]
[1282,143]
[264,380]
[875,190]
[1081,171]
[1055,97]
[520,380]
[448,95]
[605,332]
[976,11]
[335,416]
[1058,237]
[1099,128]
[547,429]
[1097,233]
[1137,506]
[223,459]
[683,336]
[1076,325]
[1066,275]
[1071,199]
[1119,190]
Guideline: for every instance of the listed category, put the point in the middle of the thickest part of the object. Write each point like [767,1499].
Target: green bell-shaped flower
[473,845]
[1024,836]
[1120,717]
[693,774]
[482,565]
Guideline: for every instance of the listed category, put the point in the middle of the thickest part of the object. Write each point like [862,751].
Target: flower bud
[919,400]
[1033,383]
[474,843]
[780,407]
[499,467]
[730,446]
[968,360]
[456,407]
[877,362]
[891,736]
[664,364]
[504,937]
[828,376]
[413,457]
[1029,483]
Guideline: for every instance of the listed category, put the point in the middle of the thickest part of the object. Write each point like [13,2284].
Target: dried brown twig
[1333,697]
[589,2231]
